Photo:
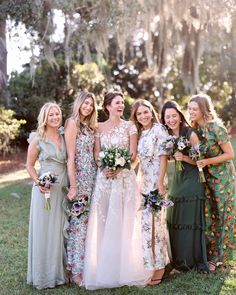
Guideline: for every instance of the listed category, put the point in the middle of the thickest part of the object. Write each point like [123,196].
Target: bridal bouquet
[155,201]
[114,157]
[46,180]
[174,144]
[198,152]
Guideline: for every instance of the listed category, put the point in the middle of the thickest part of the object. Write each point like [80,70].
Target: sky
[19,43]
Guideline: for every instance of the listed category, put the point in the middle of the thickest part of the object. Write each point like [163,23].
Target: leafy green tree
[9,129]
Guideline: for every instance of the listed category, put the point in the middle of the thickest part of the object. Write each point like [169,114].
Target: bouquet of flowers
[115,157]
[198,152]
[174,144]
[78,206]
[46,180]
[155,201]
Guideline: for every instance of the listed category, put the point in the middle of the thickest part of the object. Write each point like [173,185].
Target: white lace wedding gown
[113,247]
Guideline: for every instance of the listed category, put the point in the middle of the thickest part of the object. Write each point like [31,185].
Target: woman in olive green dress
[220,181]
[186,221]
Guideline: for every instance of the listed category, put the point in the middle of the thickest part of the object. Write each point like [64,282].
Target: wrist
[73,186]
[36,181]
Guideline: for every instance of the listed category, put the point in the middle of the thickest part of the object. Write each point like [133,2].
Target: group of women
[115,243]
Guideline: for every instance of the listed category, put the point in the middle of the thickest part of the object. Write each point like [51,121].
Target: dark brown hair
[109,96]
[170,104]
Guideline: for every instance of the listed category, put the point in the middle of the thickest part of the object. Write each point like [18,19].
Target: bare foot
[77,279]
[212,266]
[174,271]
[154,282]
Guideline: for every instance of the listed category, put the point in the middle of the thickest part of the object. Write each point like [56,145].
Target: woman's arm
[133,146]
[97,145]
[70,139]
[228,154]
[163,169]
[32,156]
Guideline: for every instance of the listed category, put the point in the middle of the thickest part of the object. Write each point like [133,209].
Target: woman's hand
[202,163]
[72,193]
[161,188]
[43,189]
[109,173]
[179,156]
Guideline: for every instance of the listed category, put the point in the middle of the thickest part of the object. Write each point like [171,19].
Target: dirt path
[11,163]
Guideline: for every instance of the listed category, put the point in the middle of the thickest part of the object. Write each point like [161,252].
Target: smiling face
[172,119]
[116,108]
[53,118]
[86,108]
[195,113]
[144,116]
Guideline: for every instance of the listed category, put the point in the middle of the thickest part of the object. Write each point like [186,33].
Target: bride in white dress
[113,247]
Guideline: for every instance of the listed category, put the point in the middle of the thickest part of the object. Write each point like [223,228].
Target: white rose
[101,155]
[120,161]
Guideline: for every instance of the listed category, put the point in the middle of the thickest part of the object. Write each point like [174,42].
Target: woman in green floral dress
[220,181]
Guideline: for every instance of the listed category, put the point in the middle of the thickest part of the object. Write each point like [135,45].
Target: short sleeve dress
[221,198]
[149,152]
[46,249]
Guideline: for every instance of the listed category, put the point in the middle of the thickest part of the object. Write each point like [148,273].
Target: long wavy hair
[170,104]
[91,120]
[133,117]
[206,107]
[43,115]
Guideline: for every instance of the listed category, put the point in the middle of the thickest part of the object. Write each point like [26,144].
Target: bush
[9,129]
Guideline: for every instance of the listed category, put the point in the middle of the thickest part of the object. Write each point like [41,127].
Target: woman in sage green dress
[186,220]
[220,181]
[46,244]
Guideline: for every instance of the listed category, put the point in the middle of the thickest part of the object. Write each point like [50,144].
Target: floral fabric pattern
[149,152]
[85,173]
[221,198]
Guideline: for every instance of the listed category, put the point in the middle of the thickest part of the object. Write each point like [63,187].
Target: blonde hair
[206,107]
[133,117]
[43,116]
[90,120]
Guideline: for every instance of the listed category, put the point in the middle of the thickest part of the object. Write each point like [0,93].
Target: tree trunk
[3,61]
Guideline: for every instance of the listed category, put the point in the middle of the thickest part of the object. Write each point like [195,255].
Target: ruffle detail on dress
[187,199]
[186,226]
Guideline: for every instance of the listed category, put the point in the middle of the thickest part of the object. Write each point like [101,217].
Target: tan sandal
[212,266]
[154,282]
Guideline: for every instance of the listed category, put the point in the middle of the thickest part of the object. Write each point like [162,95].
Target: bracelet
[73,186]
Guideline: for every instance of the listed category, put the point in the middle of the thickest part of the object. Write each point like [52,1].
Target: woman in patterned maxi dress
[220,181]
[79,136]
[152,170]
[113,247]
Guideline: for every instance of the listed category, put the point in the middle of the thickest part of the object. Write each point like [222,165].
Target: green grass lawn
[14,211]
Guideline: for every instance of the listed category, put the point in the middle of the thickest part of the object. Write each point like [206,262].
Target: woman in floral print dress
[79,137]
[220,181]
[152,170]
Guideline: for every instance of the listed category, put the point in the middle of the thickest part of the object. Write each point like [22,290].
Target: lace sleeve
[132,129]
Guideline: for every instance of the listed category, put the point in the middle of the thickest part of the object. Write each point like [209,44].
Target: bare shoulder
[70,123]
